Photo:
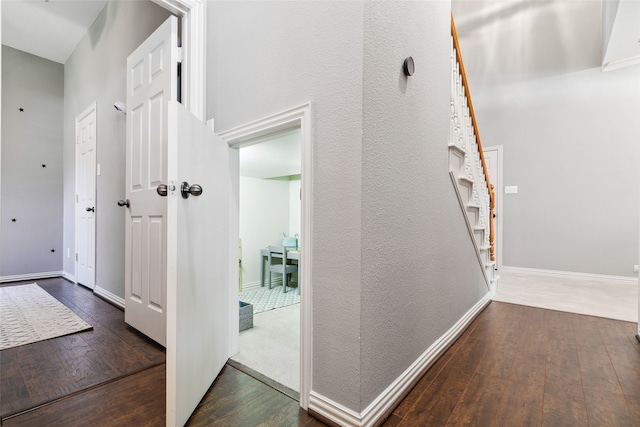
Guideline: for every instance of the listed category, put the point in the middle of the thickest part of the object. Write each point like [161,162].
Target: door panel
[198,264]
[151,83]
[176,268]
[86,188]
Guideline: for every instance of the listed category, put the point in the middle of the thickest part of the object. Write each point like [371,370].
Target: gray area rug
[30,314]
[264,299]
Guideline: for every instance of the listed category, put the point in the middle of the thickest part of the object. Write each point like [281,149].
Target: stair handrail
[490,187]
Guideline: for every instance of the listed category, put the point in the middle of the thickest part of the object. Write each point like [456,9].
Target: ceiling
[273,156]
[50,29]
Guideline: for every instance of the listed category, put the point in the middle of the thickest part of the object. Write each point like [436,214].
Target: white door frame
[91,108]
[246,135]
[193,14]
[499,200]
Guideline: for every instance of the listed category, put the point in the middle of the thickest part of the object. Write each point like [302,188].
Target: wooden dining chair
[280,253]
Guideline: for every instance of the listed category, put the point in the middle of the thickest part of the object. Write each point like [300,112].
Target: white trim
[573,275]
[621,63]
[334,411]
[248,134]
[109,296]
[193,14]
[31,276]
[396,391]
[483,267]
[499,201]
[89,110]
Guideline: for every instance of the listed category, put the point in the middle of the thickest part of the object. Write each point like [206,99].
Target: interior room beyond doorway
[270,215]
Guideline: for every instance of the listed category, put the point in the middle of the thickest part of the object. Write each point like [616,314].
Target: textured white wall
[267,57]
[393,264]
[30,193]
[570,132]
[420,273]
[96,72]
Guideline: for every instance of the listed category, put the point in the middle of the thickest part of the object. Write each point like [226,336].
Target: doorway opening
[269,216]
[296,121]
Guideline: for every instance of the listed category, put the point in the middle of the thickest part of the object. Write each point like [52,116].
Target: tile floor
[595,297]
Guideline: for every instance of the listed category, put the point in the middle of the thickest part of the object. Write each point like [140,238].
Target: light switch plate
[510,189]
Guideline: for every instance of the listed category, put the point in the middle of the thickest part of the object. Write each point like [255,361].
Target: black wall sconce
[409,66]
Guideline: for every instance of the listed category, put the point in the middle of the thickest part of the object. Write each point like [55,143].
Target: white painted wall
[264,216]
[393,264]
[295,208]
[96,72]
[31,194]
[570,134]
[420,273]
[297,52]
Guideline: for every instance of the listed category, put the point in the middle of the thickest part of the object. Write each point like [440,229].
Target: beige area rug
[30,314]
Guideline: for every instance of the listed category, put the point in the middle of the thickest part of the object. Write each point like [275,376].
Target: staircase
[467,167]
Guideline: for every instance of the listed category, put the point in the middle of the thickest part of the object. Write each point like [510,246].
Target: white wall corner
[109,296]
[68,276]
[387,401]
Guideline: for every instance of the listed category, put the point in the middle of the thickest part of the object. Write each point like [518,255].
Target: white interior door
[177,261]
[493,159]
[86,197]
[197,263]
[151,83]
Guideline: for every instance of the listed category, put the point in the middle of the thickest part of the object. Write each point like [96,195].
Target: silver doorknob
[163,189]
[186,189]
[124,203]
[91,209]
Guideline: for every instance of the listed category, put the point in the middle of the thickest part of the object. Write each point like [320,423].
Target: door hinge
[179,55]
[76,198]
[76,256]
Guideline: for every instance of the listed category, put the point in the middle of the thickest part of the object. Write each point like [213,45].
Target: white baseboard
[572,275]
[31,276]
[276,281]
[109,296]
[396,391]
[70,277]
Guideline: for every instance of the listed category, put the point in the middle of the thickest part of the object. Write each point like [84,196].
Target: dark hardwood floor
[514,366]
[34,374]
[525,366]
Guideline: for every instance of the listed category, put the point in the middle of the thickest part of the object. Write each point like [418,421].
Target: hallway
[514,365]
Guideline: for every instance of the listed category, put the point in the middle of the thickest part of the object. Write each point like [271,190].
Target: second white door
[86,197]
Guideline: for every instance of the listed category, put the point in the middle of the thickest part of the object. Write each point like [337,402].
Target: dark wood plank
[624,350]
[606,403]
[423,384]
[38,373]
[227,402]
[438,401]
[564,402]
[481,399]
[521,403]
[137,400]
